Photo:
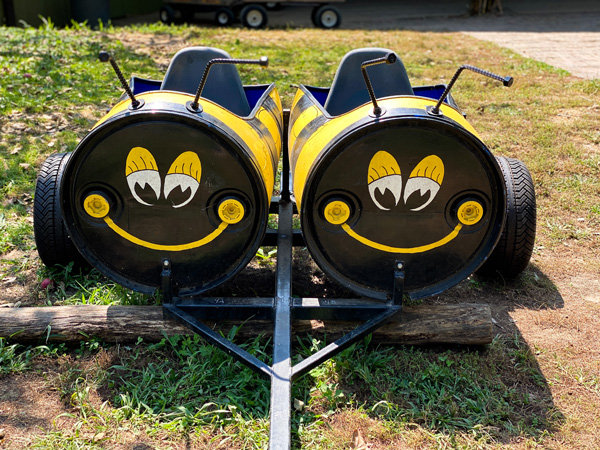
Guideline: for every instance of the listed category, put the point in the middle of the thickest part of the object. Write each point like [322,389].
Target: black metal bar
[390,58]
[506,81]
[320,302]
[285,185]
[107,57]
[270,238]
[274,205]
[231,308]
[298,302]
[398,290]
[218,341]
[264,311]
[237,313]
[281,381]
[342,343]
[166,282]
[261,308]
[336,310]
[263,61]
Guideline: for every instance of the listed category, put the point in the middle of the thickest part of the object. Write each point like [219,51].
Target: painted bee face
[162,188]
[367,213]
[385,175]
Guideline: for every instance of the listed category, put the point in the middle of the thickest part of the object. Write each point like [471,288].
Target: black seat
[348,89]
[223,85]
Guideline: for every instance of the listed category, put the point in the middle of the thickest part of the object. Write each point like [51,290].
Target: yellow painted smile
[387,248]
[170,248]
[230,211]
[337,212]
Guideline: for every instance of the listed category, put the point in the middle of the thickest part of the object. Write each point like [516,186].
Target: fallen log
[468,324]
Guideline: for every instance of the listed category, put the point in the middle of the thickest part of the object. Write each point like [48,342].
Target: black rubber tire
[224,17]
[513,251]
[326,16]
[166,14]
[52,239]
[249,15]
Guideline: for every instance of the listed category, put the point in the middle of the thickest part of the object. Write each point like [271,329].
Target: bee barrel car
[388,176]
[167,174]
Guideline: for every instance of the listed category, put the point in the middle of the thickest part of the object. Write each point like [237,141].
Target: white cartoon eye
[141,170]
[184,173]
[426,178]
[384,175]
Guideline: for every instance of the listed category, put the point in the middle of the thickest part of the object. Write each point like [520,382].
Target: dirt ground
[557,312]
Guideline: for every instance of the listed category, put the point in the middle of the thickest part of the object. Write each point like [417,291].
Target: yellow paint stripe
[307,116]
[389,249]
[277,99]
[270,122]
[241,126]
[170,248]
[291,138]
[336,125]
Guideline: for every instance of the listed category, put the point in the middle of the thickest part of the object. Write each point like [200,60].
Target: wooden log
[468,324]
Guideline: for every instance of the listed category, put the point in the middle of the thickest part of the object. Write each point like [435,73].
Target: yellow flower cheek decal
[426,178]
[184,173]
[384,175]
[141,170]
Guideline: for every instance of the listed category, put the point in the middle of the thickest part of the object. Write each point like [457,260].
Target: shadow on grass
[435,15]
[491,394]
[495,393]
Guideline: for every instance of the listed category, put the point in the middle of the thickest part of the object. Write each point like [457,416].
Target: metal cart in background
[252,13]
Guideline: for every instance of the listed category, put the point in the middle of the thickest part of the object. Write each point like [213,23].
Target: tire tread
[52,239]
[515,247]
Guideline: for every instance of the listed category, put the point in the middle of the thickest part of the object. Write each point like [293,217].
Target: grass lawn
[536,386]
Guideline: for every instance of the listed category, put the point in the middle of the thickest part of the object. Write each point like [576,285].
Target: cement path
[568,40]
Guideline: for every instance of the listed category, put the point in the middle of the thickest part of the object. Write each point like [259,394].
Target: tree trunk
[468,324]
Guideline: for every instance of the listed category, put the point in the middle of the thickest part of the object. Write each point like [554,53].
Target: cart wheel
[53,242]
[513,251]
[254,16]
[326,17]
[167,14]
[224,17]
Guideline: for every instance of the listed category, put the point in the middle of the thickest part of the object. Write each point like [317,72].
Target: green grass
[82,286]
[183,390]
[182,386]
[15,358]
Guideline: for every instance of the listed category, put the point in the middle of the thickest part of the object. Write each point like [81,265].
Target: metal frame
[281,309]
